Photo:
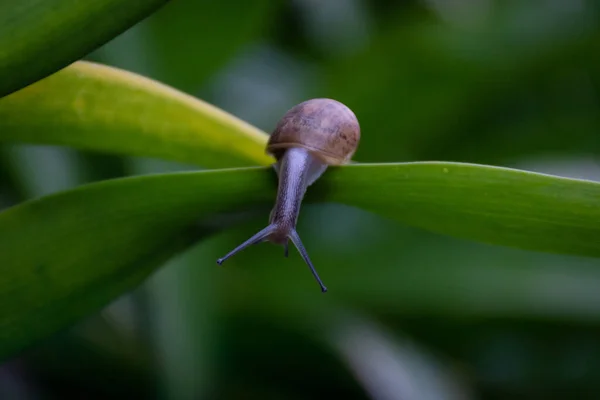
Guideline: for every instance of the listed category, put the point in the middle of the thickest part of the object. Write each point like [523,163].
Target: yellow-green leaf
[96,107]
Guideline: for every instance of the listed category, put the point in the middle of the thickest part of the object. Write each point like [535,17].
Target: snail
[310,137]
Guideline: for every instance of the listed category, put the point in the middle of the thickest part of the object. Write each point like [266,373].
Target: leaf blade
[483,203]
[95,107]
[67,254]
[97,241]
[39,37]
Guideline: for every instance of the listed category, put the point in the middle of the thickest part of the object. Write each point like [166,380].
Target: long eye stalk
[297,169]
[298,243]
[257,238]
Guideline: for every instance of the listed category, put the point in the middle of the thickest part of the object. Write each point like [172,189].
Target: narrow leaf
[39,37]
[96,107]
[489,204]
[65,255]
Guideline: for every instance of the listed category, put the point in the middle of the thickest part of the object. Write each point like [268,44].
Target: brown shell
[326,127]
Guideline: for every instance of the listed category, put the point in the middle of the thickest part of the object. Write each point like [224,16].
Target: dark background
[410,314]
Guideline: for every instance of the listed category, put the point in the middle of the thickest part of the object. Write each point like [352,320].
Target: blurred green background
[409,314]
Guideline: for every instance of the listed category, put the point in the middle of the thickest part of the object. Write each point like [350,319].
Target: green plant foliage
[492,270]
[97,241]
[94,107]
[65,255]
[490,204]
[39,37]
[435,83]
[184,63]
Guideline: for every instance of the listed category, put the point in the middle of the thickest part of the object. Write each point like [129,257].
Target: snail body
[310,137]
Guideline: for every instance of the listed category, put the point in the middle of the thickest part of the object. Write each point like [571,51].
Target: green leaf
[39,37]
[64,256]
[489,204]
[95,107]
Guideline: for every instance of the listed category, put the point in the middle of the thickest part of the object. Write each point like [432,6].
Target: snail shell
[325,127]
